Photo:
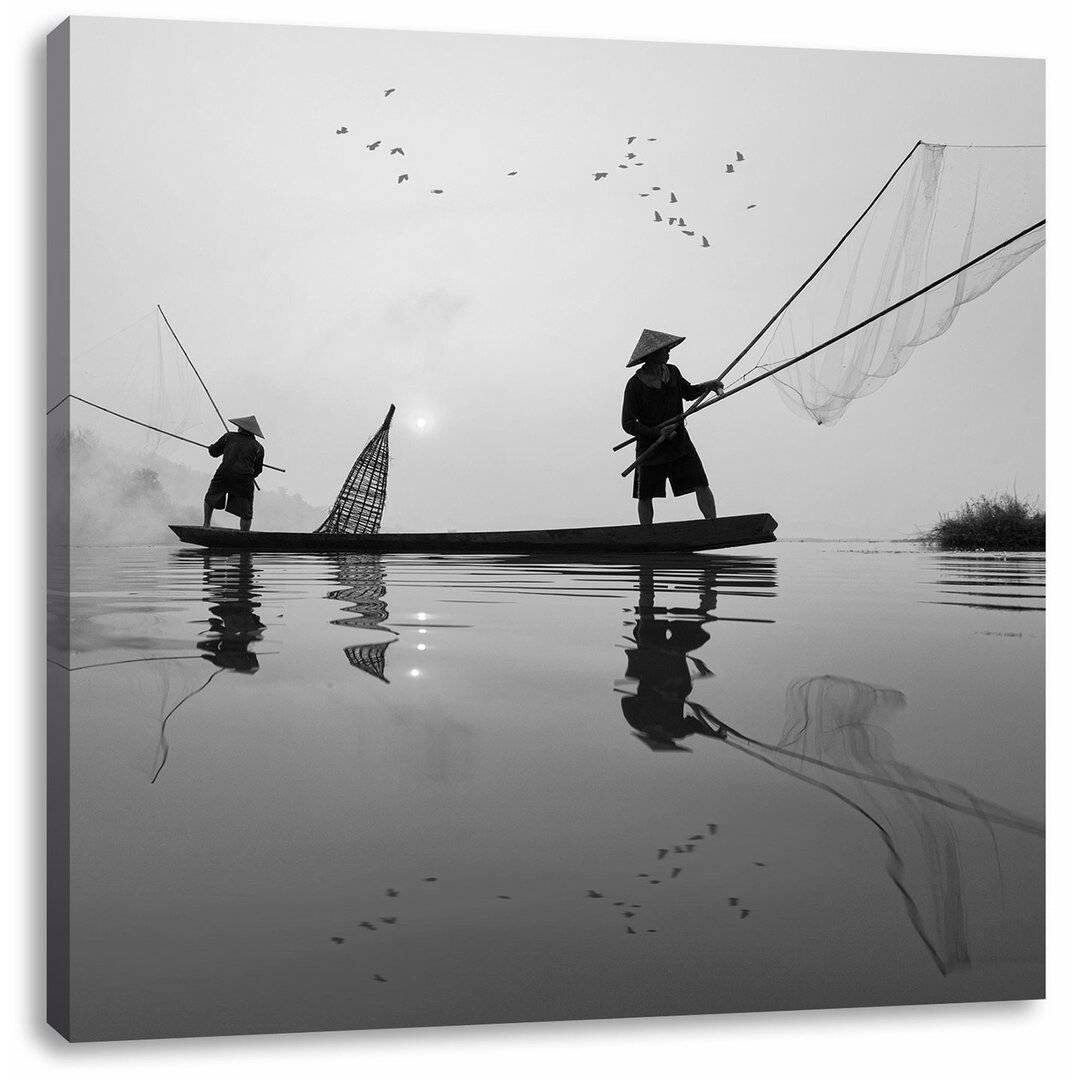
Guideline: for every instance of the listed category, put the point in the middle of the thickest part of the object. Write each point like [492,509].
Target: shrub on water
[990,523]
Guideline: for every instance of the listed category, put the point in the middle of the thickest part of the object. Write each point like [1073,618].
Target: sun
[421,422]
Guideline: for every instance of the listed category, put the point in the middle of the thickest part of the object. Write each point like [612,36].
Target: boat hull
[698,535]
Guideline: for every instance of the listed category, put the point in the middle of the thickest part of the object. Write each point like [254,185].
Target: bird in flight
[379,978]
[337,940]
[514,173]
[398,150]
[643,194]
[751,206]
[657,216]
[436,191]
[673,199]
[729,168]
[374,145]
[689,232]
[630,139]
[342,131]
[682,223]
[403,176]
[599,175]
[738,156]
[705,241]
[630,157]
[387,93]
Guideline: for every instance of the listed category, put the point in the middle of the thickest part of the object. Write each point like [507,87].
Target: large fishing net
[944,208]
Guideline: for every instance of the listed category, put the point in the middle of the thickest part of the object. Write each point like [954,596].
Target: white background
[997,1040]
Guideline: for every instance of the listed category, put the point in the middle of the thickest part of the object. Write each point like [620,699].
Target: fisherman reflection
[234,625]
[661,663]
[231,589]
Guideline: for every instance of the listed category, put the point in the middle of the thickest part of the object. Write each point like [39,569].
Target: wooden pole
[851,330]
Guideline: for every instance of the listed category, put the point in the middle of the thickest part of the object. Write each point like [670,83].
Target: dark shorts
[685,473]
[234,496]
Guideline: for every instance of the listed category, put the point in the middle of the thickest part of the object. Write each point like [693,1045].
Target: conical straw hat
[652,341]
[247,423]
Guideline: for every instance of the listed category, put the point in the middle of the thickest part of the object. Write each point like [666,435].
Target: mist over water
[125,496]
[337,791]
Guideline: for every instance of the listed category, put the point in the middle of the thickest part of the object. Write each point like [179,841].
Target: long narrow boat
[698,535]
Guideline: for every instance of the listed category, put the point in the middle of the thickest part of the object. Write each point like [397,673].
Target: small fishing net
[359,505]
[370,658]
[365,582]
[944,207]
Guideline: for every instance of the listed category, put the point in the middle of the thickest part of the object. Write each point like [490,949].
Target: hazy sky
[313,289]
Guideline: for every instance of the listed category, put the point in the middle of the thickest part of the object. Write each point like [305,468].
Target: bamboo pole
[851,330]
[75,397]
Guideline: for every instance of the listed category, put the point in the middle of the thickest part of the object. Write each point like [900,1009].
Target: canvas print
[539,529]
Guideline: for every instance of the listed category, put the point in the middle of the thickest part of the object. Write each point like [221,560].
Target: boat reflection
[664,637]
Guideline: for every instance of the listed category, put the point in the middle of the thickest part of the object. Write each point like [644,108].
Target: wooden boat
[697,535]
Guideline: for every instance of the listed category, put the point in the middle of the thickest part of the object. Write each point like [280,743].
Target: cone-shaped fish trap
[359,505]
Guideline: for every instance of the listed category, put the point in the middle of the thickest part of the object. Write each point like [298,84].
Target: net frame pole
[795,295]
[850,330]
[130,420]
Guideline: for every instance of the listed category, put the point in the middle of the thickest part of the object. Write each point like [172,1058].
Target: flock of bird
[628,910]
[632,161]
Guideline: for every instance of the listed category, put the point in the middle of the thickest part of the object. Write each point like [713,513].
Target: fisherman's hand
[716,386]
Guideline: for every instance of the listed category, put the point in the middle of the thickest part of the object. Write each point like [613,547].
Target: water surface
[348,791]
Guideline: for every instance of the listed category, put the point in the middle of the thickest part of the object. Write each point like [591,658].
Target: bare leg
[245,524]
[644,511]
[207,514]
[706,502]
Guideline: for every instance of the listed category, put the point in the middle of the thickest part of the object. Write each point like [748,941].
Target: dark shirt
[645,408]
[241,454]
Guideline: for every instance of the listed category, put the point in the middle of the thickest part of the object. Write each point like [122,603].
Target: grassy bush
[990,523]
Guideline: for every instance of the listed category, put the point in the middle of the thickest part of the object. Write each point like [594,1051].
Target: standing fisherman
[232,488]
[653,396]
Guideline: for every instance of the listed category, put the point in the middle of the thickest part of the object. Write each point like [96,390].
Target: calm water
[314,792]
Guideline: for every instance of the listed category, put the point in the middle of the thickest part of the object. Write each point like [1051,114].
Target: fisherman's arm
[218,448]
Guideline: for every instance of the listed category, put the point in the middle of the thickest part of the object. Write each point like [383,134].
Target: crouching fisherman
[232,488]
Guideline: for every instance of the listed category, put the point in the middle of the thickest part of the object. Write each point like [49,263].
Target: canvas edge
[58,520]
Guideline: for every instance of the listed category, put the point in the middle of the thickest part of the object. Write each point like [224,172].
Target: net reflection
[946,849]
[665,636]
[364,578]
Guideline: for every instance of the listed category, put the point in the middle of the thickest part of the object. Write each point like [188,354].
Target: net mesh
[141,373]
[359,505]
[945,207]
